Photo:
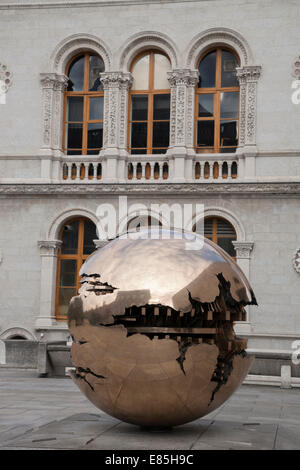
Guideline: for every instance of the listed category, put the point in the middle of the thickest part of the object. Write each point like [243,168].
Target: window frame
[216,91]
[80,257]
[86,94]
[150,92]
[214,237]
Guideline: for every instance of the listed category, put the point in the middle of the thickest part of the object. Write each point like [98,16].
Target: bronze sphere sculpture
[152,328]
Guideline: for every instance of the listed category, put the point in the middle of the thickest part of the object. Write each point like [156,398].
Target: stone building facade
[254,187]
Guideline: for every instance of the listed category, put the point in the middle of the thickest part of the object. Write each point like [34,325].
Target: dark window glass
[96,108]
[90,234]
[205,133]
[139,108]
[224,228]
[229,104]
[68,272]
[65,295]
[70,238]
[138,134]
[74,136]
[161,107]
[96,67]
[158,151]
[138,151]
[205,105]
[208,227]
[229,64]
[207,71]
[74,152]
[160,134]
[226,244]
[95,135]
[228,133]
[76,74]
[75,108]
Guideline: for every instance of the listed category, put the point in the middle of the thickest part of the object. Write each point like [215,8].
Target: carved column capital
[243,249]
[186,77]
[49,247]
[248,73]
[116,79]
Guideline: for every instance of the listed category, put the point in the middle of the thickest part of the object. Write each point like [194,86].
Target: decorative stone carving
[5,79]
[147,40]
[182,84]
[116,86]
[216,36]
[49,247]
[53,86]
[296,68]
[296,261]
[100,243]
[243,249]
[248,77]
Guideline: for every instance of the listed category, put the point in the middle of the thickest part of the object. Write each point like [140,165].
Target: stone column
[48,252]
[53,86]
[116,86]
[243,255]
[248,77]
[182,84]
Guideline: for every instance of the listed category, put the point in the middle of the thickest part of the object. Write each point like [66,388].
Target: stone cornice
[188,189]
[83,4]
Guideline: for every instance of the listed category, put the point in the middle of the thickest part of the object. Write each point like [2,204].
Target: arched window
[220,232]
[77,237]
[149,106]
[217,102]
[83,108]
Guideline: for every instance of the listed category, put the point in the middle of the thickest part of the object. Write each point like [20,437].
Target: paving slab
[52,413]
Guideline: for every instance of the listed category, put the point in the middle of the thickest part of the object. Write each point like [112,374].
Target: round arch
[17,331]
[74,44]
[227,216]
[218,37]
[62,218]
[143,41]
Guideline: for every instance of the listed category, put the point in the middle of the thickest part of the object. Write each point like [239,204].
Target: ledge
[246,188]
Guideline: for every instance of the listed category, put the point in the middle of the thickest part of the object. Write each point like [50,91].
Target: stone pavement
[52,413]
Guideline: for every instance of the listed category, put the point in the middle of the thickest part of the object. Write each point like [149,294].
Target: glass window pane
[76,74]
[207,71]
[139,108]
[138,151]
[70,238]
[140,73]
[226,244]
[205,105]
[96,67]
[75,108]
[228,133]
[74,136]
[65,295]
[95,135]
[229,64]
[90,234]
[68,268]
[96,108]
[160,134]
[225,228]
[208,227]
[138,134]
[161,107]
[205,133]
[161,67]
[158,151]
[229,104]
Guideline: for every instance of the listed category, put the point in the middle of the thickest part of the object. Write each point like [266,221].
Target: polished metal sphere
[152,327]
